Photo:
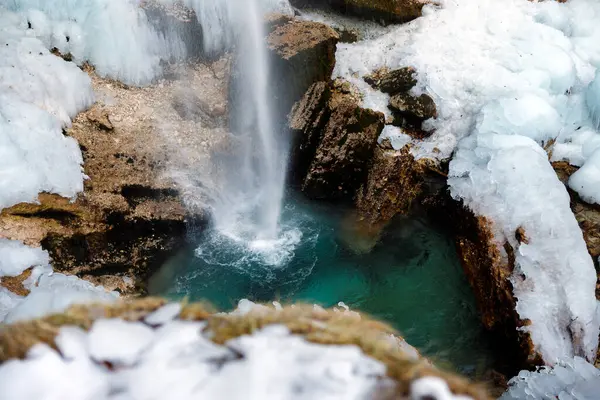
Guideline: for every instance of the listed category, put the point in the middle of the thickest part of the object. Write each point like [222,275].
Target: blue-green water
[411,278]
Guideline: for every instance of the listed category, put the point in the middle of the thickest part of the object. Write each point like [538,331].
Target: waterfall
[246,201]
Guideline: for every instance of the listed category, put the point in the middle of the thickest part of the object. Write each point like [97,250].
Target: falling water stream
[247,204]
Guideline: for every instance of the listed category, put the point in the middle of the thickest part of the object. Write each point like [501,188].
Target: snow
[575,380]
[586,180]
[179,362]
[52,293]
[432,388]
[118,342]
[593,100]
[39,93]
[509,180]
[164,314]
[509,77]
[16,258]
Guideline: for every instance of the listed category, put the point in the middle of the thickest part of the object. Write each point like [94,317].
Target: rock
[302,53]
[488,264]
[392,82]
[385,11]
[307,122]
[130,216]
[15,283]
[100,119]
[190,107]
[393,183]
[347,35]
[176,17]
[413,108]
[275,20]
[344,153]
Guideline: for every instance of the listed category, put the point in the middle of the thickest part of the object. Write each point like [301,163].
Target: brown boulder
[385,11]
[344,152]
[411,108]
[306,123]
[302,53]
[394,183]
[394,81]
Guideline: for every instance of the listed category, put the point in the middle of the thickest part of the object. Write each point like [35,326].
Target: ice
[509,180]
[526,115]
[15,257]
[176,361]
[396,136]
[39,93]
[576,379]
[114,36]
[593,100]
[118,342]
[586,180]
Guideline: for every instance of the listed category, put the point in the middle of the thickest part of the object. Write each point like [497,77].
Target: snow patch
[118,342]
[179,362]
[15,257]
[53,293]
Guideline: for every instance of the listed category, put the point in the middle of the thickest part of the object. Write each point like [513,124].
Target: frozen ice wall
[39,94]
[573,380]
[509,78]
[114,36]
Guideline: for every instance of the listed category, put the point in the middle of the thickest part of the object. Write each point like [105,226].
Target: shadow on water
[410,278]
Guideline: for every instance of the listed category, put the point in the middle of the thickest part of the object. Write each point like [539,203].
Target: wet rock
[411,108]
[344,153]
[384,11]
[307,122]
[488,264]
[302,53]
[394,182]
[394,81]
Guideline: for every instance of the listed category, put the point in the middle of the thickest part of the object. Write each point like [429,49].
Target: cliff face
[131,215]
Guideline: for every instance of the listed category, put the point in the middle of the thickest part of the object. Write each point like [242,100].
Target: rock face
[131,215]
[302,53]
[385,11]
[394,182]
[488,264]
[307,121]
[335,143]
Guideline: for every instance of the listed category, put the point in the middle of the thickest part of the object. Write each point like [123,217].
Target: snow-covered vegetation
[149,349]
